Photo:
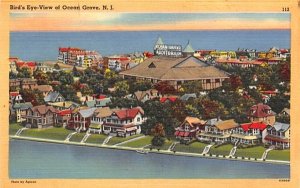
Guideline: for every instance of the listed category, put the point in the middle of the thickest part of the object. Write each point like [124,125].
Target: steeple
[159,41]
[188,50]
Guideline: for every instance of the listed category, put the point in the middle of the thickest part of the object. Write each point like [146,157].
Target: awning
[176,133]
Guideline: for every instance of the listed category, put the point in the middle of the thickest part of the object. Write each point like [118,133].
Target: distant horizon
[118,21]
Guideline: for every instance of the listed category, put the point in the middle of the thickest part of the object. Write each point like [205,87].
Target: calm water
[41,46]
[30,159]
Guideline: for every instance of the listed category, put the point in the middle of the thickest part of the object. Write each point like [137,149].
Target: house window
[208,81]
[138,119]
[217,81]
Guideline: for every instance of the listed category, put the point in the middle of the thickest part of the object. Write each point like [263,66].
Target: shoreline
[165,152]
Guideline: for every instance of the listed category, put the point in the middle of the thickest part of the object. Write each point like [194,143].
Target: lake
[30,159]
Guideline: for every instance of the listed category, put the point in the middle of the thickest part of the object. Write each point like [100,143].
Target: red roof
[29,64]
[254,125]
[69,49]
[64,112]
[13,94]
[128,113]
[261,110]
[164,99]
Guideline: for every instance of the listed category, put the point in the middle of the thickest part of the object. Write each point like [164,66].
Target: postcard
[156,94]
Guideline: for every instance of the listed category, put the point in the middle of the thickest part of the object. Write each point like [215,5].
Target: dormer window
[152,65]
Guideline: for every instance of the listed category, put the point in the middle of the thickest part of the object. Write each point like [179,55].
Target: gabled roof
[227,124]
[254,125]
[65,104]
[22,106]
[64,112]
[141,94]
[261,110]
[98,102]
[188,48]
[87,112]
[43,109]
[159,41]
[128,113]
[286,110]
[103,112]
[193,121]
[282,127]
[52,96]
[170,98]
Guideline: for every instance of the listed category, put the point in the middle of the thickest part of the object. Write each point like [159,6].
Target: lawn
[116,140]
[54,133]
[195,147]
[253,152]
[13,128]
[221,150]
[283,155]
[96,138]
[77,137]
[139,143]
[166,145]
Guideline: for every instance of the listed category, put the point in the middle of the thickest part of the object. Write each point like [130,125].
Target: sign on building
[168,50]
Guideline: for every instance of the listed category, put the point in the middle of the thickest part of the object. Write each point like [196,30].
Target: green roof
[22,106]
[188,48]
[159,41]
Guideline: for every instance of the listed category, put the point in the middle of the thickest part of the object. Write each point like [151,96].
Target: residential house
[124,122]
[81,119]
[65,105]
[168,99]
[63,117]
[99,103]
[22,83]
[20,110]
[262,113]
[99,117]
[44,68]
[41,117]
[13,67]
[54,96]
[285,112]
[249,133]
[30,65]
[143,96]
[278,135]
[217,130]
[188,129]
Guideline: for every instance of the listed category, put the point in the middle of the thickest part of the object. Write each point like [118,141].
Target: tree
[140,85]
[233,83]
[191,87]
[75,72]
[34,96]
[65,78]
[158,141]
[41,77]
[12,75]
[211,109]
[165,87]
[122,88]
[24,72]
[158,130]
[279,102]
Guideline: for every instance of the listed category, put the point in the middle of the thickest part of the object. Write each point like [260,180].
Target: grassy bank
[55,133]
[96,138]
[195,147]
[116,140]
[139,143]
[253,152]
[283,155]
[13,128]
[77,137]
[221,150]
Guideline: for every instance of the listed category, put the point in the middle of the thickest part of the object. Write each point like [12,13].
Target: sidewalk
[151,151]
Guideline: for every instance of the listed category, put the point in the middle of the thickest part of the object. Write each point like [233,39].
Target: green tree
[34,96]
[24,72]
[158,141]
[122,88]
[191,87]
[41,77]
